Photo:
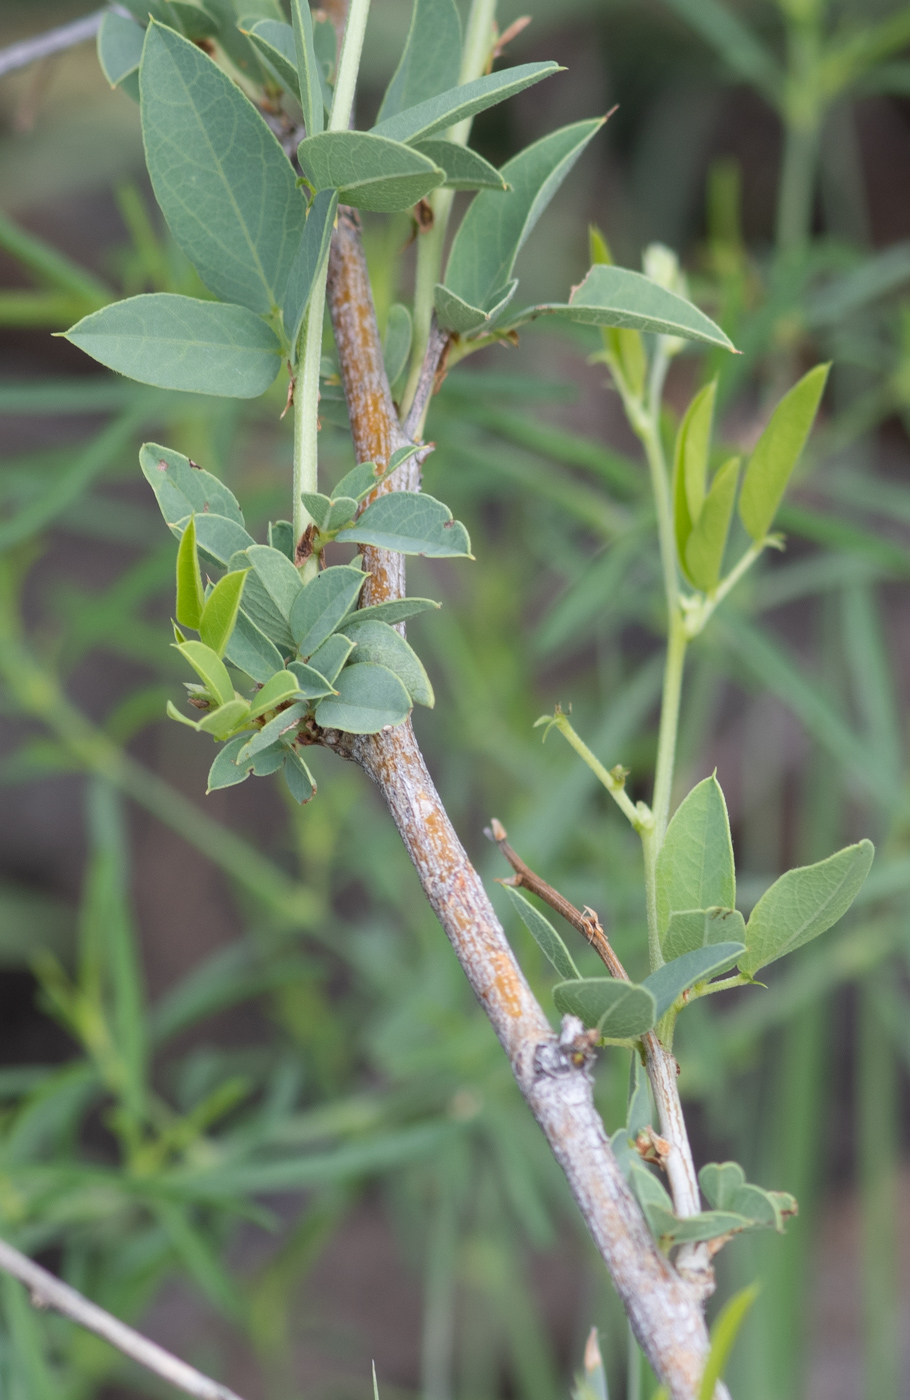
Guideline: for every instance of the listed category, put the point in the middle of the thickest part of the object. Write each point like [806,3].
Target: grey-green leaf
[804,903]
[410,523]
[464,168]
[457,315]
[778,450]
[695,864]
[308,72]
[258,603]
[675,977]
[274,41]
[300,781]
[378,642]
[329,514]
[120,43]
[224,184]
[618,1010]
[369,698]
[397,609]
[277,575]
[445,109]
[496,226]
[369,171]
[329,658]
[725,1188]
[358,482]
[282,726]
[177,342]
[219,540]
[544,935]
[431,58]
[615,296]
[250,650]
[182,489]
[224,771]
[309,264]
[323,604]
[281,537]
[396,343]
[311,684]
[701,928]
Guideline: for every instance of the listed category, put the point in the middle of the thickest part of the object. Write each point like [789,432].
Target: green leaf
[190,592]
[496,225]
[220,612]
[329,658]
[275,692]
[329,514]
[446,109]
[368,171]
[464,168]
[702,928]
[705,548]
[396,343]
[675,977]
[431,59]
[250,650]
[220,722]
[258,604]
[277,575]
[300,781]
[369,698]
[188,17]
[312,684]
[210,668]
[544,935]
[695,864]
[176,342]
[618,1010]
[224,184]
[777,452]
[281,537]
[725,1188]
[690,464]
[727,1323]
[224,772]
[120,43]
[282,726]
[378,642]
[274,41]
[614,296]
[457,315]
[668,1228]
[308,73]
[359,481]
[397,610]
[323,604]
[410,523]
[804,903]
[182,489]
[218,539]
[310,262]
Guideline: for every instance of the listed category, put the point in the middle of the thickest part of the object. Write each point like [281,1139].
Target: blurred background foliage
[245,1096]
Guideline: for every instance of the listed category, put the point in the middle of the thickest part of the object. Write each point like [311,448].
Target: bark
[552,1073]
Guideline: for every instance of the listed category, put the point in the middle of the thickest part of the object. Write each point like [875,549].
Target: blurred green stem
[879,1115]
[802,113]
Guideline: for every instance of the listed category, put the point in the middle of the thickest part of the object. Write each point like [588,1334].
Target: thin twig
[429,380]
[586,922]
[66,36]
[49,1292]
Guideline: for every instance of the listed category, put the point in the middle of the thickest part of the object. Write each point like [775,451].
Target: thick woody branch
[664,1309]
[49,1292]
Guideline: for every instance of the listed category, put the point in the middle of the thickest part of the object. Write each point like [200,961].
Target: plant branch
[665,1309]
[50,1292]
[432,369]
[52,41]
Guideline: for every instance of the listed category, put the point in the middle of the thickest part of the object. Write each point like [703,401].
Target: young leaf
[454,314]
[224,772]
[120,43]
[544,935]
[275,692]
[496,226]
[410,523]
[329,515]
[274,41]
[667,1227]
[431,58]
[675,977]
[176,342]
[277,575]
[221,723]
[224,184]
[220,612]
[777,452]
[690,464]
[397,610]
[281,727]
[446,109]
[380,643]
[705,547]
[218,539]
[181,489]
[190,592]
[368,171]
[308,73]
[309,264]
[396,343]
[614,296]
[210,669]
[725,1187]
[618,1010]
[369,698]
[695,864]
[804,903]
[300,781]
[328,659]
[702,928]
[311,684]
[322,605]
[464,168]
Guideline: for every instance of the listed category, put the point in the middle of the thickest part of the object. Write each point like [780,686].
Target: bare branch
[50,1292]
[665,1309]
[50,42]
[431,373]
